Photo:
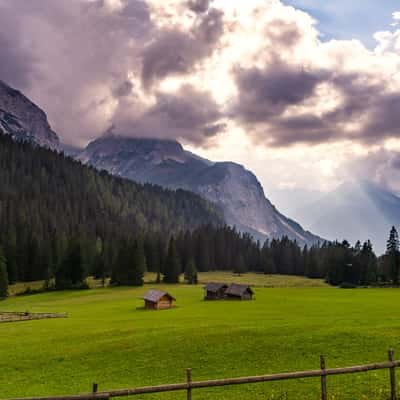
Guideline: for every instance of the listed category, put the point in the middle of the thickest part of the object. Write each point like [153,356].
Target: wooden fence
[14,316]
[189,385]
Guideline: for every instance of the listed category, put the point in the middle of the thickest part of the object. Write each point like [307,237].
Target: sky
[305,93]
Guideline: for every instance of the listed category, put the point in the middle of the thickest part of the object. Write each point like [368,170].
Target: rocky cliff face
[229,185]
[23,120]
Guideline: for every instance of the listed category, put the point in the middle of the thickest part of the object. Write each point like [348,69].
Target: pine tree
[11,255]
[120,272]
[3,275]
[172,268]
[392,255]
[312,267]
[74,260]
[191,272]
[240,266]
[139,264]
[72,271]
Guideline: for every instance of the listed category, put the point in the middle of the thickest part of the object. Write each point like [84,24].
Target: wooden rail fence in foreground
[189,385]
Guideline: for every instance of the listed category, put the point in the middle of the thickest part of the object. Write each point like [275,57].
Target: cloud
[268,92]
[380,166]
[17,59]
[318,92]
[199,6]
[191,69]
[177,51]
[189,114]
[84,61]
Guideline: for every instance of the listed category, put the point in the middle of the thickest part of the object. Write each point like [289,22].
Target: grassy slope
[106,340]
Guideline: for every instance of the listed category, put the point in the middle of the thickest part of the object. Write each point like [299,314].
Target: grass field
[259,280]
[108,341]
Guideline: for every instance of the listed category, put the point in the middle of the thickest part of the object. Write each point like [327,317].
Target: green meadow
[106,339]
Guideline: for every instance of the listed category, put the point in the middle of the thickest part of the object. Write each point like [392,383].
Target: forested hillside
[47,200]
[62,221]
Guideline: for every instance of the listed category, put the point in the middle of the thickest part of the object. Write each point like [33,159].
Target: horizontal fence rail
[189,385]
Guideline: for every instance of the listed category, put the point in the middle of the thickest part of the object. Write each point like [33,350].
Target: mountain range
[229,185]
[355,210]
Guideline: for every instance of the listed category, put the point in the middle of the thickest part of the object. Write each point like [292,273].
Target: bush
[29,291]
[348,285]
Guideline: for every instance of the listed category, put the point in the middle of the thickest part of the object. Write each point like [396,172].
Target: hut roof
[154,295]
[214,286]
[236,289]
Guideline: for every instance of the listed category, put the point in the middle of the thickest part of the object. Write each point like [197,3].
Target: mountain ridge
[229,185]
[355,210]
[23,120]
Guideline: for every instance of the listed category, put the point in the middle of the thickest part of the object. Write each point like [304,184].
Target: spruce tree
[191,272]
[172,268]
[3,275]
[240,266]
[138,264]
[72,271]
[392,255]
[75,262]
[11,255]
[120,272]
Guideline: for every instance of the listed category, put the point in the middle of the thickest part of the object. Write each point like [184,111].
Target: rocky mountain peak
[153,150]
[234,189]
[23,120]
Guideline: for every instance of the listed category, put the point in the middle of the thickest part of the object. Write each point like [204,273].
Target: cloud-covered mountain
[356,210]
[23,120]
[164,162]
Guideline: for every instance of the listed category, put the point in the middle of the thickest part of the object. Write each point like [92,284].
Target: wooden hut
[215,291]
[157,300]
[236,291]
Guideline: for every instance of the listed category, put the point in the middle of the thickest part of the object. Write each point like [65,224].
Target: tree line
[209,247]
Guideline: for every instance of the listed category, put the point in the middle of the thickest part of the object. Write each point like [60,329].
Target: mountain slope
[48,182]
[23,120]
[357,210]
[164,162]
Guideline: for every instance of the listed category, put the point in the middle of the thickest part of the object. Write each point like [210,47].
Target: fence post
[95,386]
[392,377]
[323,378]
[189,382]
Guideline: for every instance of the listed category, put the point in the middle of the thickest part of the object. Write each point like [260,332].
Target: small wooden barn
[215,291]
[157,300]
[237,291]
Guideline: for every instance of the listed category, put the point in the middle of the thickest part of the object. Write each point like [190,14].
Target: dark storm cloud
[190,114]
[177,52]
[266,95]
[199,6]
[124,89]
[173,53]
[17,59]
[76,59]
[83,54]
[384,120]
[369,103]
[268,92]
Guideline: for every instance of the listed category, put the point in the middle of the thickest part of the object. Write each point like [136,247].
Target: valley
[200,200]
